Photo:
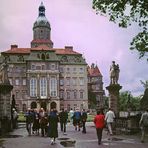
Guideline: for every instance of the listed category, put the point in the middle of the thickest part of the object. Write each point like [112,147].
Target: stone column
[113,90]
[5,107]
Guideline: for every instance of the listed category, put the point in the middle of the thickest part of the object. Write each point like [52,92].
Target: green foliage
[144,100]
[92,99]
[126,13]
[126,102]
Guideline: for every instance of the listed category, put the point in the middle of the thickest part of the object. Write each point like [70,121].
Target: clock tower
[41,30]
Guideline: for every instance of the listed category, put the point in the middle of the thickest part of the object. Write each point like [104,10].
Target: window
[68,94]
[43,67]
[17,82]
[81,94]
[74,70]
[75,106]
[43,87]
[33,87]
[68,69]
[61,69]
[24,81]
[81,70]
[38,67]
[75,94]
[81,81]
[74,81]
[68,81]
[62,82]
[62,94]
[53,87]
[32,67]
[52,66]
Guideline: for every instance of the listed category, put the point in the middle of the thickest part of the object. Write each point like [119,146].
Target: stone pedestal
[113,96]
[5,107]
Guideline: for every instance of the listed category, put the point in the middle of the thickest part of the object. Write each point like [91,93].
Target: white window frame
[33,87]
[43,87]
[53,87]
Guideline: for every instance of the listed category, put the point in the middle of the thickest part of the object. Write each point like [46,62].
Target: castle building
[47,77]
[95,86]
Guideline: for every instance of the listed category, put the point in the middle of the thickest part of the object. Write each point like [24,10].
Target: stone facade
[43,76]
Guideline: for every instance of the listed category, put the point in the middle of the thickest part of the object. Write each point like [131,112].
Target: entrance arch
[33,105]
[53,105]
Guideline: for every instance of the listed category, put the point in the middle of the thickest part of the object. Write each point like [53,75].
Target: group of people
[47,122]
[107,120]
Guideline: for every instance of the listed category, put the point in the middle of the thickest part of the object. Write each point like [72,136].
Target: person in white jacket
[109,118]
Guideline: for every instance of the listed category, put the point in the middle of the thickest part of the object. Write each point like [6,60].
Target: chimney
[69,47]
[14,46]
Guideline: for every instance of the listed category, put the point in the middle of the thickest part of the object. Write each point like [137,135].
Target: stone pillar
[113,90]
[5,107]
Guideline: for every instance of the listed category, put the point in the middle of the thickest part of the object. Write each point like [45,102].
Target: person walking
[53,125]
[83,120]
[143,123]
[36,124]
[77,119]
[71,112]
[29,120]
[99,122]
[43,122]
[14,118]
[109,118]
[63,115]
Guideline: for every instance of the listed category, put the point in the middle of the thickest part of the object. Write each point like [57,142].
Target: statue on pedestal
[114,73]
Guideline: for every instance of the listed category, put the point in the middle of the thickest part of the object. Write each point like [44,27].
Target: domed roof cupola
[41,29]
[41,20]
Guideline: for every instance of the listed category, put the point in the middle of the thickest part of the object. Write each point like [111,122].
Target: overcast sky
[75,23]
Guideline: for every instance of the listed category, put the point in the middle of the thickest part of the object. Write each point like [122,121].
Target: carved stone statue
[114,73]
[3,73]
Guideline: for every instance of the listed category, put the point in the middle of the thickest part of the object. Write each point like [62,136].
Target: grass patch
[21,117]
[90,118]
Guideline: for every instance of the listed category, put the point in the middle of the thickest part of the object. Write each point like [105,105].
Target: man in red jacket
[99,121]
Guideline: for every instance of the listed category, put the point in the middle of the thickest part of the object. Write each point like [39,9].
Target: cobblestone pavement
[74,139]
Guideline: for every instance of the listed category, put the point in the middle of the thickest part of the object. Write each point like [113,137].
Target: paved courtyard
[73,139]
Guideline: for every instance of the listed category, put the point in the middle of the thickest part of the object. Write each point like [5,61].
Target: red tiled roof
[66,51]
[41,41]
[16,50]
[94,71]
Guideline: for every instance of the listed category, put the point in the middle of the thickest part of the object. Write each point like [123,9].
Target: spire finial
[41,9]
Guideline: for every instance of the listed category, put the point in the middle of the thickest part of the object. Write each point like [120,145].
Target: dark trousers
[84,127]
[99,134]
[63,126]
[43,130]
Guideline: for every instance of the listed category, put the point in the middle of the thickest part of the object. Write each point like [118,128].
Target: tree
[127,101]
[144,99]
[145,84]
[126,13]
